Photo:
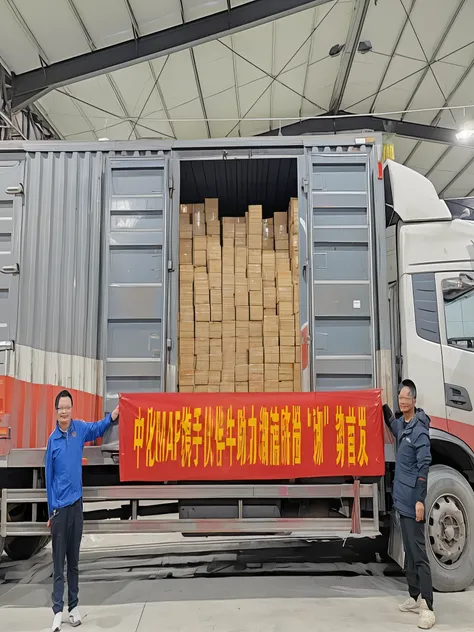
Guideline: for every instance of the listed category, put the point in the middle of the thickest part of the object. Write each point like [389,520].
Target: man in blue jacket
[64,489]
[411,431]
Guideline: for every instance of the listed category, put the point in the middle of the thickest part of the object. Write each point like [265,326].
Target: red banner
[250,436]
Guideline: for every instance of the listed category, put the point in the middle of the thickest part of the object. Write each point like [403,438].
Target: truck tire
[24,547]
[449,527]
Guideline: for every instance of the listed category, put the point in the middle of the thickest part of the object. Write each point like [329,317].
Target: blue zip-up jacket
[412,462]
[64,460]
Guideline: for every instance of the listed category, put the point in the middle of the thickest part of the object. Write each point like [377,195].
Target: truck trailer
[90,284]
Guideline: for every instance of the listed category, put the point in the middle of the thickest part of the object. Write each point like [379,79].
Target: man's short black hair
[410,385]
[62,394]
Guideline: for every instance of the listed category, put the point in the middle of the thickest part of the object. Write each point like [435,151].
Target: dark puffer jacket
[413,459]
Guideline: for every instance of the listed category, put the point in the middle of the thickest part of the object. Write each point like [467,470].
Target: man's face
[64,413]
[406,401]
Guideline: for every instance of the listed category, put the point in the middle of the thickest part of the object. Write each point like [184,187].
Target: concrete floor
[320,603]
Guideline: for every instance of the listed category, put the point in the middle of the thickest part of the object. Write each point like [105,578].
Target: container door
[136,344]
[11,206]
[339,274]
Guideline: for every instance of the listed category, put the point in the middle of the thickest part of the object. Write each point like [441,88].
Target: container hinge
[169,344]
[7,345]
[18,190]
[170,266]
[171,187]
[11,269]
[304,185]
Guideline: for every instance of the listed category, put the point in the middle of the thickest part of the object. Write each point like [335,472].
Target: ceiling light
[103,138]
[335,50]
[465,134]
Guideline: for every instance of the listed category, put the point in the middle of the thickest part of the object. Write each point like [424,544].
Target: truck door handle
[457,397]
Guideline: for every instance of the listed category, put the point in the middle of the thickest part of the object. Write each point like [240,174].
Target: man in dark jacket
[410,428]
[64,490]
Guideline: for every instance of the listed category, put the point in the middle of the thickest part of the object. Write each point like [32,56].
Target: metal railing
[355,526]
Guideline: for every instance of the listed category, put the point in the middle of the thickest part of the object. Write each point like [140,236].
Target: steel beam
[29,86]
[356,25]
[337,124]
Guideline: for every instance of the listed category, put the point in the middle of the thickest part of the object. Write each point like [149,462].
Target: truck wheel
[450,529]
[24,547]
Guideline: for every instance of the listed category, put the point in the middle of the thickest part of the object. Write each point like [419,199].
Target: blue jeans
[66,532]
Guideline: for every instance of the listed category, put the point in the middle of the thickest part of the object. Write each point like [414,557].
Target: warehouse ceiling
[188,69]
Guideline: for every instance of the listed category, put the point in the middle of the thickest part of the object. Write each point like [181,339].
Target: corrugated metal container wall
[57,335]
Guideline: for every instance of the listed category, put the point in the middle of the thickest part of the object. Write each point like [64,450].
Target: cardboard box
[242,329]
[293,216]
[242,387]
[228,330]
[213,228]
[211,207]
[201,378]
[230,345]
[185,231]
[201,297]
[202,313]
[269,311]
[216,312]
[255,284]
[271,386]
[215,281]
[272,371]
[285,308]
[281,244]
[256,312]
[186,314]
[215,331]
[241,357]
[214,377]
[241,298]
[256,371]
[228,230]
[200,242]
[186,330]
[241,312]
[227,387]
[256,386]
[240,242]
[242,373]
[202,362]
[187,362]
[201,346]
[286,372]
[186,346]
[203,330]
[185,251]
[214,266]
[215,362]
[254,256]
[254,270]
[186,209]
[271,326]
[255,343]
[285,387]
[271,341]
[186,377]
[199,220]
[280,223]
[254,242]
[215,345]
[256,356]
[285,295]
[199,257]
[186,389]
[256,329]
[287,341]
[256,299]
[228,313]
[272,355]
[269,297]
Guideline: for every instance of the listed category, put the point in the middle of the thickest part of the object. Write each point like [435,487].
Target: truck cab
[430,256]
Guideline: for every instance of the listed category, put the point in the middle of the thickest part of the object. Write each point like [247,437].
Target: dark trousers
[66,532]
[417,566]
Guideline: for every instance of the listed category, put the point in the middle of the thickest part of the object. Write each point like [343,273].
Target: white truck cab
[431,292]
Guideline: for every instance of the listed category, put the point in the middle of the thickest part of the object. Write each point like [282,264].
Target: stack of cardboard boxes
[239,301]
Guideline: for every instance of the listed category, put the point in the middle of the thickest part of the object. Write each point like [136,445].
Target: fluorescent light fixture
[464,134]
[108,139]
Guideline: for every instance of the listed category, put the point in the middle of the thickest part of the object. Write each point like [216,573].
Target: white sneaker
[410,605]
[75,617]
[57,622]
[427,618]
